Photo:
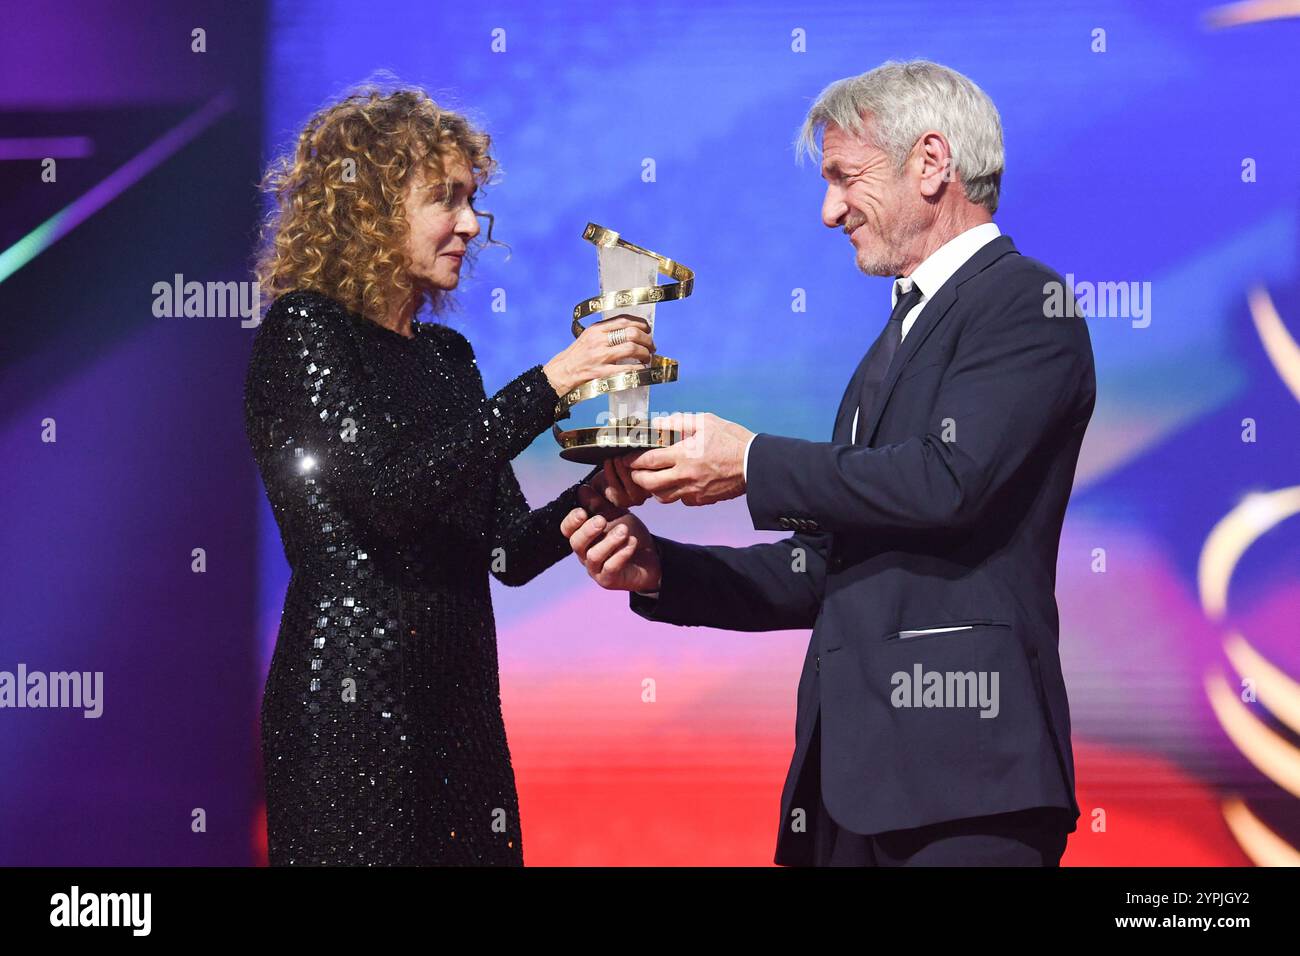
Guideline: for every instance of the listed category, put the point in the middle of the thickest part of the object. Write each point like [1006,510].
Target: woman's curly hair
[338,225]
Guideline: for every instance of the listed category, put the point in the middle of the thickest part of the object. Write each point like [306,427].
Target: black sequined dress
[388,470]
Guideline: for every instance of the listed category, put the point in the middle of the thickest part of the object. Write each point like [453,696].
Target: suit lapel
[842,433]
[931,315]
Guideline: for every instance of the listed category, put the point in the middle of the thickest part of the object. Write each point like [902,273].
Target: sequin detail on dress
[387,468]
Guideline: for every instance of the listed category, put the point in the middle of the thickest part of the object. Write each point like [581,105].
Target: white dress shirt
[929,277]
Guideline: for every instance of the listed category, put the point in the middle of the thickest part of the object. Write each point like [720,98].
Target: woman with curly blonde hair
[387,467]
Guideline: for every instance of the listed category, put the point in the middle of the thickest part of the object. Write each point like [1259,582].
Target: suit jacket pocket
[964,625]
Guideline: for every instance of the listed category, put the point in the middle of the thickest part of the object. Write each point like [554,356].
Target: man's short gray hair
[905,100]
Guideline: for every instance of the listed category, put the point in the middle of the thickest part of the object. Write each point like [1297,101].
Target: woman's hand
[615,486]
[591,356]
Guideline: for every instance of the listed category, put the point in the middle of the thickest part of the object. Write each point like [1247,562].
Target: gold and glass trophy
[629,277]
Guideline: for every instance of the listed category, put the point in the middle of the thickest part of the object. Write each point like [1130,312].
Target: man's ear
[936,163]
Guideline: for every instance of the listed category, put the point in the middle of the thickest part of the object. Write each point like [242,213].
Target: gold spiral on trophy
[592,445]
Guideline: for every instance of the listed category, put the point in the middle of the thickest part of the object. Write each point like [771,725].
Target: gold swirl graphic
[1281,349]
[1232,537]
[1262,845]
[1269,751]
[1275,757]
[1251,11]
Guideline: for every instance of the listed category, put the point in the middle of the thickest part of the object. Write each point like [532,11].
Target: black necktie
[881,356]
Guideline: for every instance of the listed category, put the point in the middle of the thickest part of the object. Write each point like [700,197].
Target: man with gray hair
[933,726]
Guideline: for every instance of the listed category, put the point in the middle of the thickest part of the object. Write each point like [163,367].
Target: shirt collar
[939,267]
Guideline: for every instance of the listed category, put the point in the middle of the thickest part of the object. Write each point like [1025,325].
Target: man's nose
[834,208]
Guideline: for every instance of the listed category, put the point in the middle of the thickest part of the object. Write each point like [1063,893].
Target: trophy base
[591,446]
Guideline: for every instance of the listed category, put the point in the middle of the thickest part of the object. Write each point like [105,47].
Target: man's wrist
[653,593]
[744,468]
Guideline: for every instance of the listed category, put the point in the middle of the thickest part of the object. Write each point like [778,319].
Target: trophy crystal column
[628,286]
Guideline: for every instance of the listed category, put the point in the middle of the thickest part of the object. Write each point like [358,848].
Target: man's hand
[617,550]
[707,465]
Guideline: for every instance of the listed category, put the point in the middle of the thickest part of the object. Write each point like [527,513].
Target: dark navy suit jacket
[951,517]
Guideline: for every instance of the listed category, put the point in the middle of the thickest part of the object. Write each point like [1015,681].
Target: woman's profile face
[440,226]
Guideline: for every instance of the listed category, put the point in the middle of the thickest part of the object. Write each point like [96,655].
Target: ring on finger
[616,337]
